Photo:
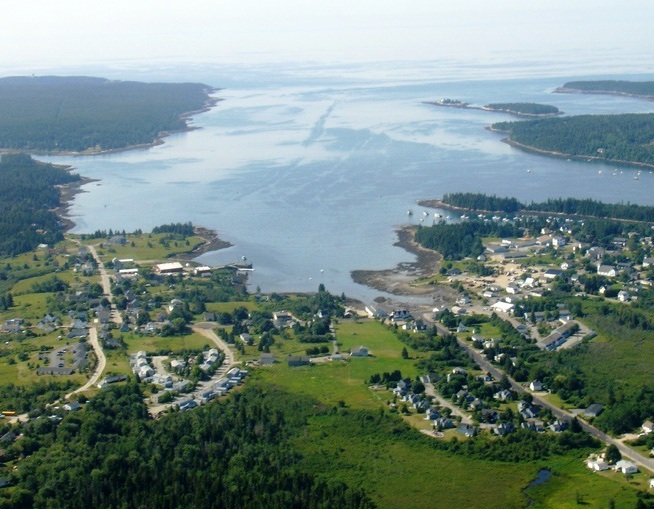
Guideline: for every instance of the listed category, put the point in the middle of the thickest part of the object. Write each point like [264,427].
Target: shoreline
[562,155]
[400,281]
[566,90]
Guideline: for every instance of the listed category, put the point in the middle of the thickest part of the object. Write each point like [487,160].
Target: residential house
[295,360]
[606,270]
[536,385]
[360,351]
[594,410]
[597,465]
[648,427]
[266,359]
[504,428]
[626,467]
[467,430]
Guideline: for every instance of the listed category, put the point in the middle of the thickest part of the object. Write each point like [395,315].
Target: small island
[640,89]
[517,109]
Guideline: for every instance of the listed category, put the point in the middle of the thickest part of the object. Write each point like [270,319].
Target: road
[626,451]
[99,369]
[430,391]
[93,332]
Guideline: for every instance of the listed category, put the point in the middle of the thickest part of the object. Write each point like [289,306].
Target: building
[168,268]
[360,351]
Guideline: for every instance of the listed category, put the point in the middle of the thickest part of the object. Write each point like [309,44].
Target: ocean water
[309,170]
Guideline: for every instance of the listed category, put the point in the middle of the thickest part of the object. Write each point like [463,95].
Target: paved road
[484,364]
[206,329]
[430,391]
[105,281]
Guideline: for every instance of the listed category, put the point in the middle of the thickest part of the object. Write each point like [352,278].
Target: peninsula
[517,109]
[53,114]
[640,89]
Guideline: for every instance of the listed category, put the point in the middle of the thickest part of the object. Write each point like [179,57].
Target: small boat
[409,212]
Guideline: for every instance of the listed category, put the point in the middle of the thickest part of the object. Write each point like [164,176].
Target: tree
[405,353]
[613,454]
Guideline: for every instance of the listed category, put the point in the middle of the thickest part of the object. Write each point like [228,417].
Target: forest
[615,138]
[60,114]
[638,88]
[28,194]
[572,206]
[233,454]
[525,108]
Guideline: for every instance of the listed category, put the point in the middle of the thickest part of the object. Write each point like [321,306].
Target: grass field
[146,246]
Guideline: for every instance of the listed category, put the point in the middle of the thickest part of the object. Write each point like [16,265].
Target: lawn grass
[153,344]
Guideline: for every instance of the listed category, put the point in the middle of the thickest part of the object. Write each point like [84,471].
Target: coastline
[565,90]
[400,281]
[561,155]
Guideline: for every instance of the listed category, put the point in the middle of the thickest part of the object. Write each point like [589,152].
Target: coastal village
[108,333]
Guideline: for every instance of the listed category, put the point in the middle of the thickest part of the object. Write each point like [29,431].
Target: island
[640,89]
[53,114]
[517,109]
[616,139]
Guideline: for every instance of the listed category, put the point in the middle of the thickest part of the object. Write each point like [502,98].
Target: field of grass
[146,246]
[152,344]
[334,381]
[573,485]
[404,471]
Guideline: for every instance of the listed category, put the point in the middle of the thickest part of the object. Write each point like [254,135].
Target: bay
[309,170]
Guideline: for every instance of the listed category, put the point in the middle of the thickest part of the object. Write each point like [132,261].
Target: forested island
[624,138]
[644,89]
[83,114]
[518,109]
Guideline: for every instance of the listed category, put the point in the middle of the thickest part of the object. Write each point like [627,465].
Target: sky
[43,33]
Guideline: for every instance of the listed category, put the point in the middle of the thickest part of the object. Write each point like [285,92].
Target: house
[246,338]
[626,467]
[623,296]
[558,241]
[202,271]
[503,307]
[296,360]
[374,312]
[606,270]
[443,423]
[282,319]
[462,328]
[552,273]
[72,406]
[651,483]
[648,427]
[535,385]
[558,426]
[597,465]
[594,410]
[400,314]
[504,428]
[360,351]
[648,261]
[432,414]
[503,395]
[467,430]
[266,359]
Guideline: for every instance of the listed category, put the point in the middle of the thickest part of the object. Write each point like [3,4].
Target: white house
[503,307]
[626,467]
[536,385]
[597,465]
[606,270]
[623,296]
[648,427]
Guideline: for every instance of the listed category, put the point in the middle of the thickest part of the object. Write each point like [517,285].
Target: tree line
[571,206]
[644,88]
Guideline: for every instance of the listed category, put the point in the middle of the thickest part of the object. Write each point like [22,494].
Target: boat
[409,212]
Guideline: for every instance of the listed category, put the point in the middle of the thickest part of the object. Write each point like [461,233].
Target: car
[61,364]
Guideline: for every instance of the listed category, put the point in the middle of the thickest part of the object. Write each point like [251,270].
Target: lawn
[146,246]
[153,344]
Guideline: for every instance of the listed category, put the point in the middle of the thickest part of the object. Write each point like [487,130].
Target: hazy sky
[73,32]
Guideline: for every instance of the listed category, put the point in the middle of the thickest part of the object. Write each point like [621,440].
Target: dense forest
[639,88]
[524,108]
[28,194]
[625,137]
[573,206]
[80,113]
[234,454]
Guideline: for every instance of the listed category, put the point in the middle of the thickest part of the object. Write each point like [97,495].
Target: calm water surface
[308,176]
